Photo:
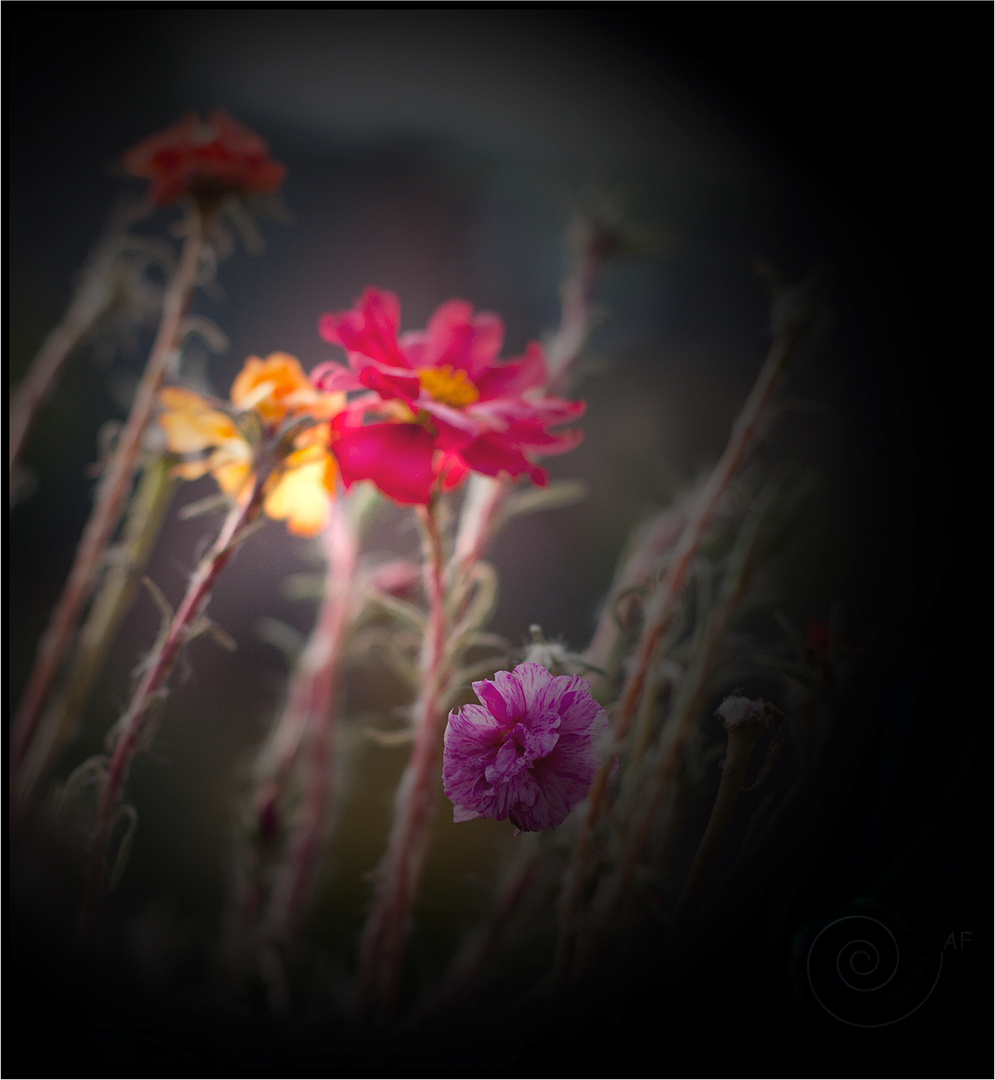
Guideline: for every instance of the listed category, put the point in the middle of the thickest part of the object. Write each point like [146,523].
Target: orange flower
[269,399]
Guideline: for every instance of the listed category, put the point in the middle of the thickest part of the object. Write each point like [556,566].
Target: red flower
[447,405]
[205,160]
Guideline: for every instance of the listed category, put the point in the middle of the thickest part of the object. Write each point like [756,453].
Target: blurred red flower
[207,160]
[445,405]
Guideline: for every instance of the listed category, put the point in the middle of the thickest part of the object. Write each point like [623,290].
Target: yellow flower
[266,396]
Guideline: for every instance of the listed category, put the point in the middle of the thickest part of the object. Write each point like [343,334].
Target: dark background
[433,152]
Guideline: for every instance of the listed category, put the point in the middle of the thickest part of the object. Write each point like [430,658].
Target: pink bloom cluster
[206,160]
[438,402]
[527,752]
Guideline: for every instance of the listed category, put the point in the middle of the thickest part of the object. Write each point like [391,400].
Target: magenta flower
[528,752]
[443,402]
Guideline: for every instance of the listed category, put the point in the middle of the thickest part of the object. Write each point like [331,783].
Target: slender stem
[385,933]
[84,313]
[516,886]
[157,671]
[676,732]
[310,712]
[686,711]
[663,605]
[111,494]
[97,292]
[396,880]
[117,589]
[482,505]
[635,573]
[741,740]
[592,242]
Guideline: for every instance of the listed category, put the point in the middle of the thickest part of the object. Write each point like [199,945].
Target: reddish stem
[111,494]
[482,505]
[680,724]
[663,605]
[385,933]
[592,242]
[311,711]
[97,292]
[397,876]
[465,969]
[85,311]
[741,741]
[156,673]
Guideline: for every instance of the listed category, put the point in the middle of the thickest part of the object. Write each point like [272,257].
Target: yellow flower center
[448,386]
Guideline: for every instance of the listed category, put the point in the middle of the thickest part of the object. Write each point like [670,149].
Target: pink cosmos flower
[206,160]
[443,403]
[527,752]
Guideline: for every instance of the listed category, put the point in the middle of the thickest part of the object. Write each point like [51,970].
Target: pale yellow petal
[191,425]
[232,476]
[192,470]
[180,398]
[302,496]
[328,405]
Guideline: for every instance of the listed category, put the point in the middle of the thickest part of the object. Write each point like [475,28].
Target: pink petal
[510,690]
[535,681]
[536,415]
[492,456]
[396,457]
[528,752]
[515,377]
[455,429]
[450,470]
[458,338]
[507,762]
[406,387]
[370,328]
[331,376]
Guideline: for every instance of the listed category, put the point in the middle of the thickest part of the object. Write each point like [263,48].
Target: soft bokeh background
[438,153]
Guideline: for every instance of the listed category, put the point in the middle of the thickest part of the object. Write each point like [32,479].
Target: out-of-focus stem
[309,721]
[592,243]
[97,292]
[518,881]
[741,740]
[662,605]
[485,496]
[385,933]
[635,573]
[157,671]
[114,596]
[687,709]
[111,494]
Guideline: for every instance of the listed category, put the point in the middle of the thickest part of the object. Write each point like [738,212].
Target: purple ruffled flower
[527,752]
